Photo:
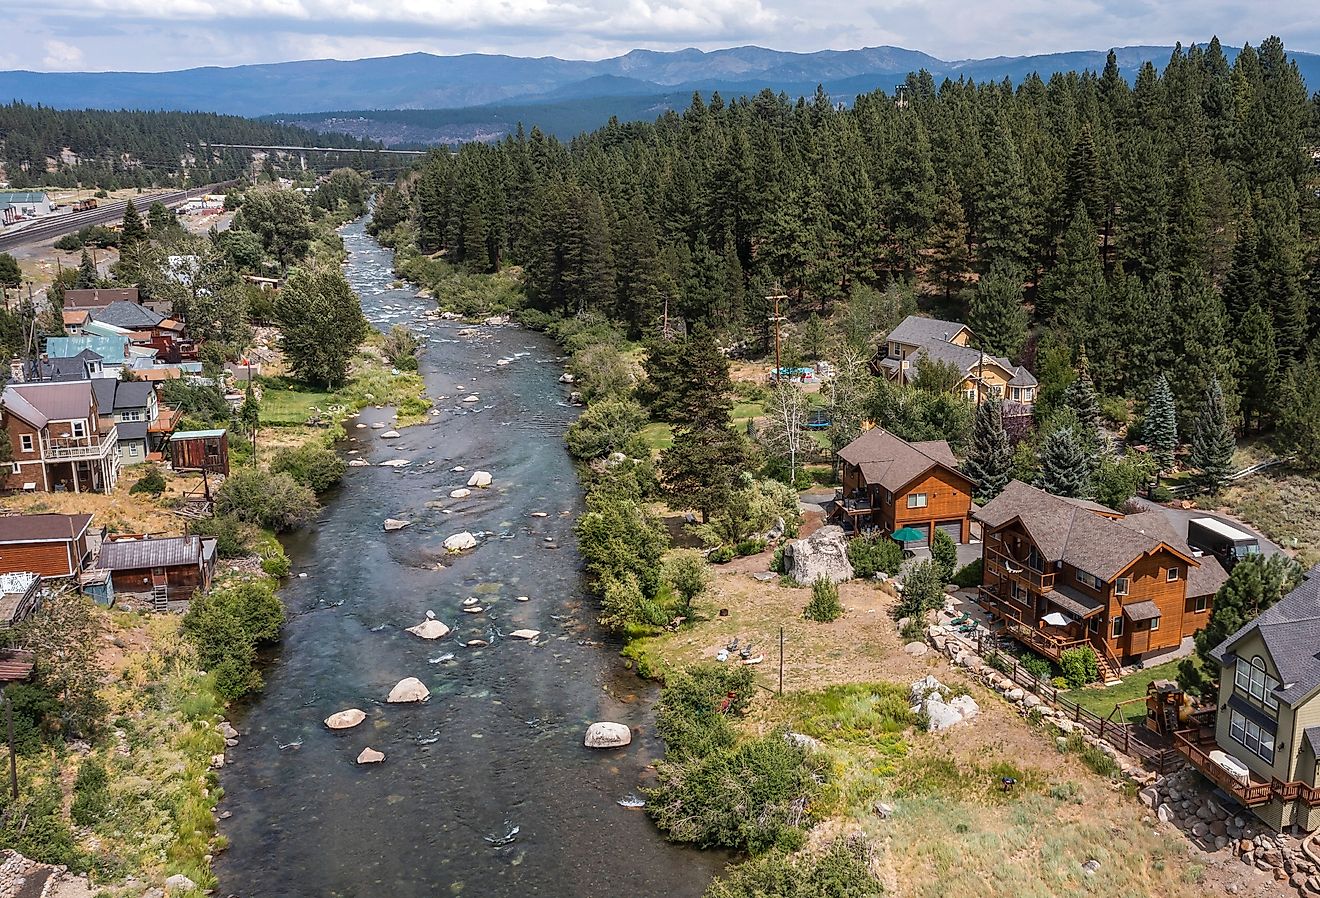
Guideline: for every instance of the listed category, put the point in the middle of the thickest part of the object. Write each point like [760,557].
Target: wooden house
[51,545]
[1263,744]
[889,484]
[200,450]
[99,297]
[1063,573]
[164,567]
[58,438]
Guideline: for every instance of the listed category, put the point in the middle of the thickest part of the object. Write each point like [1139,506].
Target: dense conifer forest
[114,149]
[1170,225]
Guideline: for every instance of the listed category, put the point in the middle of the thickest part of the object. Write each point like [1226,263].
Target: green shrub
[152,482]
[944,553]
[69,243]
[923,590]
[824,606]
[226,624]
[870,555]
[1161,494]
[1114,409]
[1079,666]
[277,566]
[312,465]
[270,499]
[777,561]
[721,555]
[969,576]
[605,427]
[843,871]
[1038,667]
[234,538]
[91,794]
[749,547]
[999,662]
[688,575]
[689,716]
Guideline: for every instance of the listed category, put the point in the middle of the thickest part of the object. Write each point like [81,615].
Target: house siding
[53,559]
[948,497]
[1149,583]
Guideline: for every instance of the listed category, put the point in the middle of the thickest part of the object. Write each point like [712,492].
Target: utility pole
[775,319]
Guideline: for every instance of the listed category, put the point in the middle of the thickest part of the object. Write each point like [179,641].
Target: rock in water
[525,634]
[395,463]
[343,720]
[823,554]
[429,629]
[607,735]
[370,756]
[395,524]
[460,542]
[461,493]
[480,479]
[409,689]
[390,435]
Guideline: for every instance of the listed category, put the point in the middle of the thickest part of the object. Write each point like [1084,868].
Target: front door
[1138,637]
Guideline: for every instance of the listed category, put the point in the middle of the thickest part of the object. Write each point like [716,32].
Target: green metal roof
[22,196]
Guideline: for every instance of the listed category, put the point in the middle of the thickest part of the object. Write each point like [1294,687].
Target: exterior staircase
[160,598]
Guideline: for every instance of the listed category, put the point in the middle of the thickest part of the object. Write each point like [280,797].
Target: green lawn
[284,402]
[1101,700]
[658,436]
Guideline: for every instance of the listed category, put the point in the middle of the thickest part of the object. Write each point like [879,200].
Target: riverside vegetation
[118,729]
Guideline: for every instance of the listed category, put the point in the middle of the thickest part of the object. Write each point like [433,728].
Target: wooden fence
[1117,733]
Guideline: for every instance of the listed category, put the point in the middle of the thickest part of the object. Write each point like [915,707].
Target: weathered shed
[174,566]
[200,450]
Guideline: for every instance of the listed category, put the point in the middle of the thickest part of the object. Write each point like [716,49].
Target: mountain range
[481,96]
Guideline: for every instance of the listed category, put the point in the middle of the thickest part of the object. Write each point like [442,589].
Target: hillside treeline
[1166,225]
[115,149]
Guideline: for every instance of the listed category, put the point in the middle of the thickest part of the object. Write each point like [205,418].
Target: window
[1034,560]
[1254,738]
[1121,586]
[1089,579]
[133,449]
[133,415]
[1154,623]
[1116,627]
[1252,680]
[1202,602]
[996,391]
[1172,574]
[78,428]
[26,442]
[969,395]
[15,468]
[916,500]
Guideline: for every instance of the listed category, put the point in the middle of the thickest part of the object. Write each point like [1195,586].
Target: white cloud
[60,55]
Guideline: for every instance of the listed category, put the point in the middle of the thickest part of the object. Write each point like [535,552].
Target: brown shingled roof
[1069,531]
[887,461]
[25,528]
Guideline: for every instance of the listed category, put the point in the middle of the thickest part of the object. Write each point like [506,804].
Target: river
[499,743]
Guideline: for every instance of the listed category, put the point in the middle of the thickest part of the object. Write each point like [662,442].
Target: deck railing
[1251,793]
[92,446]
[1019,570]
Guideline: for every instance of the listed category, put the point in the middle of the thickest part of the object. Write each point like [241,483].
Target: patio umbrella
[1055,619]
[908,535]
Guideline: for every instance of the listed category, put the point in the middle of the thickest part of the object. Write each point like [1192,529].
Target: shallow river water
[499,743]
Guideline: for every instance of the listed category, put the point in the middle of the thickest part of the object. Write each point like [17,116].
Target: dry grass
[1284,505]
[120,511]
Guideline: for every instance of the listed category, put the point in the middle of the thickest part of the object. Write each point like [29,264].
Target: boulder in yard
[607,735]
[480,479]
[409,689]
[178,884]
[370,756]
[344,720]
[915,649]
[823,554]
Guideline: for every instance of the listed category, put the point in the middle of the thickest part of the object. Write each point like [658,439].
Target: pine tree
[1160,429]
[87,276]
[1080,395]
[1005,223]
[132,229]
[1257,359]
[989,462]
[1243,286]
[950,259]
[1065,465]
[1212,442]
[1076,283]
[1299,412]
[998,318]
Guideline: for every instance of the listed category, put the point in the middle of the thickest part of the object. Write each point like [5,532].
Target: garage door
[924,542]
[953,528]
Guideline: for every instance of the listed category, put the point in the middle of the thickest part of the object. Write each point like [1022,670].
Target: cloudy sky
[155,35]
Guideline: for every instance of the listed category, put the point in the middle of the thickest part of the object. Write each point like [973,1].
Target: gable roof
[167,551]
[128,315]
[917,330]
[29,528]
[98,297]
[1203,579]
[40,403]
[887,461]
[114,394]
[1290,630]
[1073,531]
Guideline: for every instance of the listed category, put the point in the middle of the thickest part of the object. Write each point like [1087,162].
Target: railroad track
[59,225]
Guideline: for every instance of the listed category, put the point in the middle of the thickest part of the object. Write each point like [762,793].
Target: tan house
[1263,747]
[984,375]
[1064,573]
[58,440]
[890,484]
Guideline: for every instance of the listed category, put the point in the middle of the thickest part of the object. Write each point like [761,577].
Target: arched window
[1251,678]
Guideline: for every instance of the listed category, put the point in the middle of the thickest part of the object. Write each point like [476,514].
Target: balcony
[92,447]
[1003,566]
[1196,745]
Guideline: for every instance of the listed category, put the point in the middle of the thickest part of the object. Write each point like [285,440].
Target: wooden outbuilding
[200,450]
[50,545]
[165,567]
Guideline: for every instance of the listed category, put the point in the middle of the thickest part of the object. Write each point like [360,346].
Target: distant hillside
[424,81]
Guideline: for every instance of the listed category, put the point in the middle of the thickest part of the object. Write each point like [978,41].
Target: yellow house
[984,375]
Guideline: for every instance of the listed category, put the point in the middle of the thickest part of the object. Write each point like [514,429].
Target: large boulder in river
[430,629]
[345,720]
[481,479]
[409,689]
[823,554]
[460,493]
[607,735]
[370,756]
[395,524]
[460,542]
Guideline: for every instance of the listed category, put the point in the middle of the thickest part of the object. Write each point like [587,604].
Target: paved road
[58,225]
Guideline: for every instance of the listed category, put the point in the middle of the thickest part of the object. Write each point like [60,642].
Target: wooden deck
[1044,642]
[1196,745]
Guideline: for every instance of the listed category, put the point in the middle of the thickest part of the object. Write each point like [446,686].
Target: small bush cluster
[1079,666]
[1038,667]
[91,794]
[152,482]
[824,605]
[969,576]
[843,871]
[233,538]
[312,465]
[273,500]
[923,590]
[870,555]
[226,625]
